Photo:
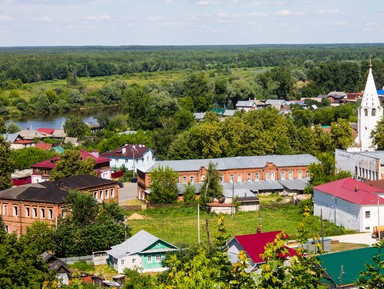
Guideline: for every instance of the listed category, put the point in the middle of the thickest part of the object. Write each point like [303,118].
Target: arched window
[366,111]
[373,111]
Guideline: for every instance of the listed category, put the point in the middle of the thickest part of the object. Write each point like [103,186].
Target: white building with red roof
[350,203]
[42,171]
[253,245]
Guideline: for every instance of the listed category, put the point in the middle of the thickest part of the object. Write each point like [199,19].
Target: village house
[253,245]
[41,171]
[143,251]
[130,156]
[350,203]
[21,206]
[253,174]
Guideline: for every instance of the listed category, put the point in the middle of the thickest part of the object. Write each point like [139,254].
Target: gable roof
[136,244]
[349,262]
[46,130]
[245,103]
[235,162]
[79,182]
[31,134]
[43,146]
[352,190]
[127,152]
[34,193]
[254,244]
[51,163]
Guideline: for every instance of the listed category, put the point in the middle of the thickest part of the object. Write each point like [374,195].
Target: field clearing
[180,225]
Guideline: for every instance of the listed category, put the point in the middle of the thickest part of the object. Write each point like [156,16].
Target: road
[128,192]
[362,238]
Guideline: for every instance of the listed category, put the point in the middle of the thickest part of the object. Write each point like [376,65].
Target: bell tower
[370,113]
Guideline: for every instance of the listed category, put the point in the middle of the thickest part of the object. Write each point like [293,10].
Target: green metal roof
[344,268]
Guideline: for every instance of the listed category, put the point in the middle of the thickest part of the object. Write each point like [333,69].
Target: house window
[300,174]
[106,194]
[221,178]
[267,176]
[307,174]
[256,176]
[15,211]
[202,177]
[184,179]
[95,195]
[27,212]
[126,160]
[42,213]
[283,175]
[101,194]
[5,210]
[192,179]
[50,214]
[373,111]
[158,258]
[122,262]
[149,259]
[112,193]
[231,177]
[239,178]
[367,228]
[367,214]
[272,176]
[133,260]
[366,112]
[249,177]
[34,212]
[290,175]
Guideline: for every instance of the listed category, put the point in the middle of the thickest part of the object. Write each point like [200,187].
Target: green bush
[83,266]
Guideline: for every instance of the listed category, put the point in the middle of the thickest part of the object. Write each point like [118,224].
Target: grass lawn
[179,225]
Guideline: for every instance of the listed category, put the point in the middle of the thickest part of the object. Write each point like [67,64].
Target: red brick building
[23,205]
[253,173]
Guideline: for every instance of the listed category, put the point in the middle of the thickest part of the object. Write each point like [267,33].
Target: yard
[178,225]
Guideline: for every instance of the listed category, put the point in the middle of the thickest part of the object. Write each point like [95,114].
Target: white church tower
[370,113]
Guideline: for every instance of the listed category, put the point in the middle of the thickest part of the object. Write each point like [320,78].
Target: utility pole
[233,200]
[378,218]
[198,223]
[322,230]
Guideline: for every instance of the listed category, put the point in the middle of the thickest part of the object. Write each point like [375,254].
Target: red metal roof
[51,163]
[254,244]
[46,130]
[352,191]
[43,146]
[23,141]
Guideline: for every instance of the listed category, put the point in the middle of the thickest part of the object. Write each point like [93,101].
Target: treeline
[47,63]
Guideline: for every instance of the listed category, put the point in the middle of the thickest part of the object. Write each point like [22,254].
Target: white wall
[343,213]
[147,159]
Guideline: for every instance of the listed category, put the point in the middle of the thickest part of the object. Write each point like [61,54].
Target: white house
[350,203]
[366,165]
[131,156]
[143,251]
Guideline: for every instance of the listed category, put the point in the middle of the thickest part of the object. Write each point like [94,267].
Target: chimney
[124,149]
[95,154]
[356,188]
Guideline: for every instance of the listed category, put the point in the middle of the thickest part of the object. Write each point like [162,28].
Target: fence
[72,260]
[134,208]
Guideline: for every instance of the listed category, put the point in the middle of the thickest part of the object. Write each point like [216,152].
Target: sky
[189,22]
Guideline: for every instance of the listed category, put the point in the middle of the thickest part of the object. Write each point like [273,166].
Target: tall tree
[341,134]
[72,164]
[373,276]
[163,185]
[75,127]
[211,187]
[377,135]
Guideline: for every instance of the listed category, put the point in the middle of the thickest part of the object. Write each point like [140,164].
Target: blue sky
[189,22]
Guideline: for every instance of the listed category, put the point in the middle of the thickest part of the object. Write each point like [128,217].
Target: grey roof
[294,185]
[275,101]
[10,137]
[248,188]
[235,162]
[229,112]
[374,154]
[136,244]
[32,134]
[59,133]
[199,115]
[34,193]
[245,103]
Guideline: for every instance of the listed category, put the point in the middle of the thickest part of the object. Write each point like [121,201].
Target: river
[57,121]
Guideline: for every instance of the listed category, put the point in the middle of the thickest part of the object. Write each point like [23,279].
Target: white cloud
[44,19]
[97,18]
[329,12]
[341,23]
[5,18]
[284,13]
[372,24]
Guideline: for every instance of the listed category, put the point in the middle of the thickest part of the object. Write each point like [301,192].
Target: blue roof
[380,91]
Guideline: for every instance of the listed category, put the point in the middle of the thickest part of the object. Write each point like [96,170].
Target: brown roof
[377,184]
[43,146]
